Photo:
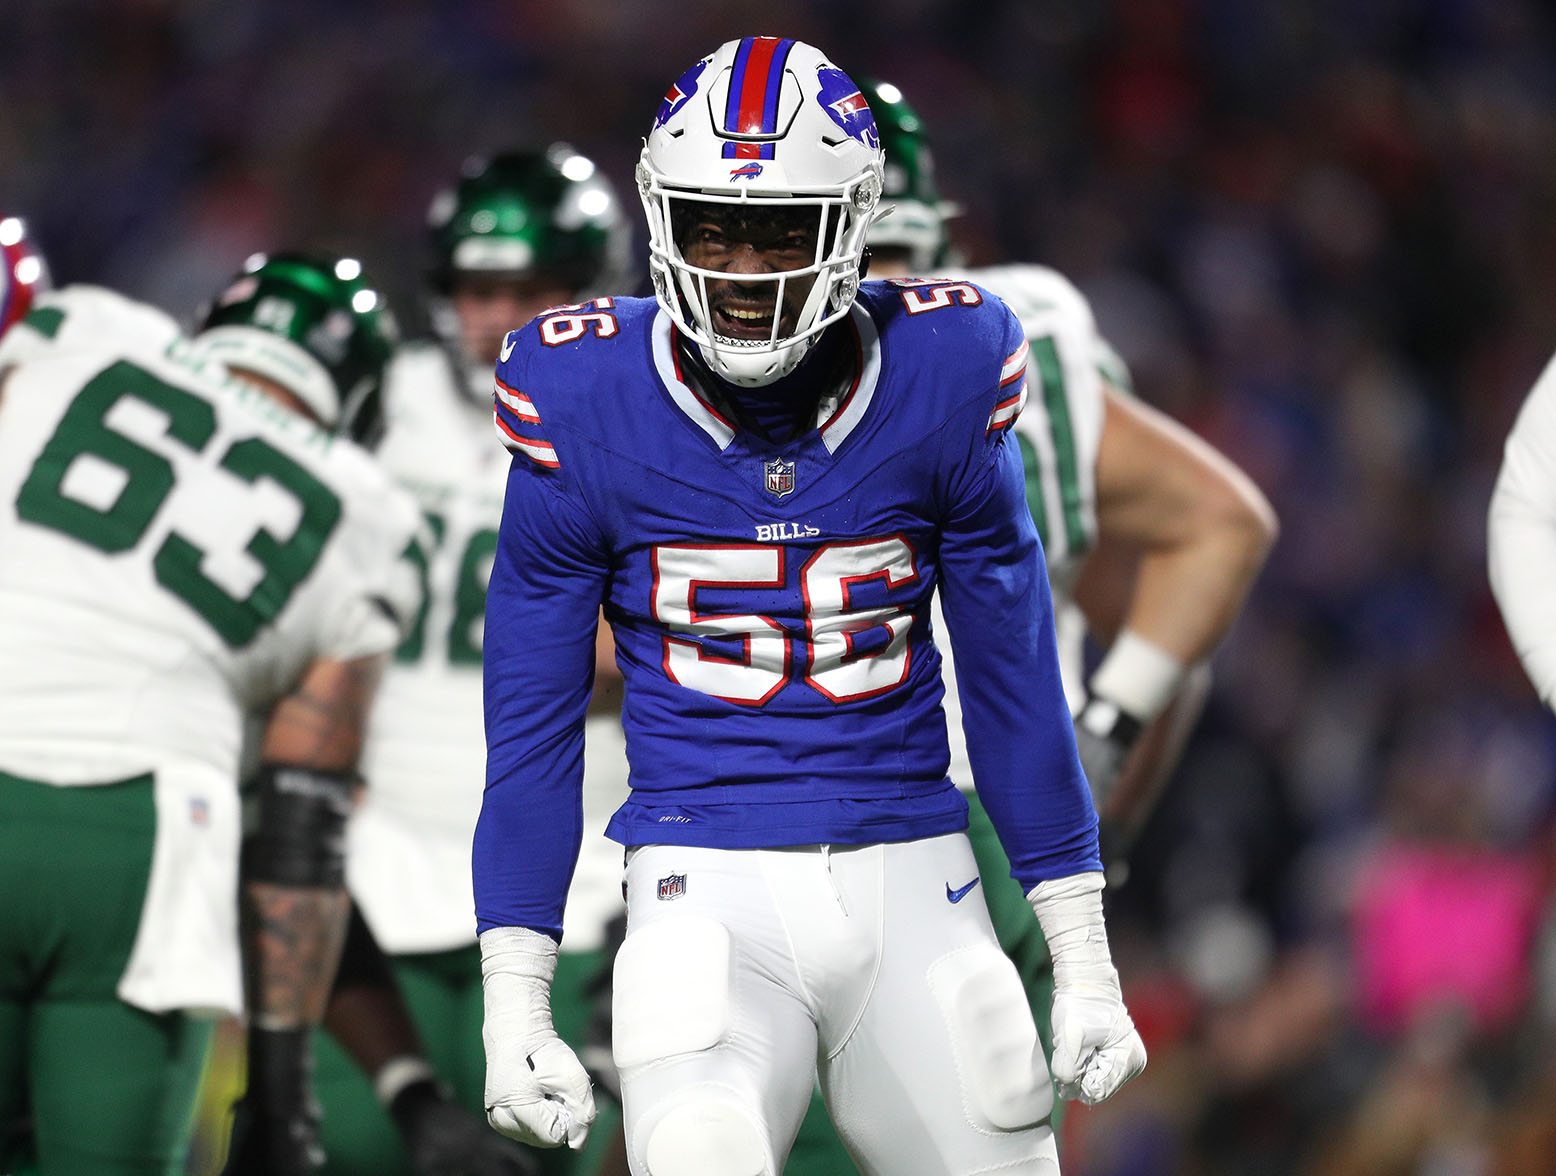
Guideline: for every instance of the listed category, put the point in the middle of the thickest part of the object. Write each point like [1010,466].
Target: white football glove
[536,1090]
[1096,1046]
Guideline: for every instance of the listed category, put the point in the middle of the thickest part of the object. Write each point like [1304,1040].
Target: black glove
[1104,736]
[444,1139]
[275,1130]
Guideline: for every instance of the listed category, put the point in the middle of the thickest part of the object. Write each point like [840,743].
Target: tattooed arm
[294,905]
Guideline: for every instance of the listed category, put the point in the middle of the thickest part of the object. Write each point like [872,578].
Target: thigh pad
[1000,1066]
[673,981]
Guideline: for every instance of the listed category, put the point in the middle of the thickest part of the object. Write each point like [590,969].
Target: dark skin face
[750,239]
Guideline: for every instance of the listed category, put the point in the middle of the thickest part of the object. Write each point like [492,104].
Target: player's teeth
[747,315]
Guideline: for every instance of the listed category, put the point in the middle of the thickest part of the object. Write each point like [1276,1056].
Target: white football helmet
[763,121]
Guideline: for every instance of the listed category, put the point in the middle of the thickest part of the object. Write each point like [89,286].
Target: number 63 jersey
[175,547]
[770,602]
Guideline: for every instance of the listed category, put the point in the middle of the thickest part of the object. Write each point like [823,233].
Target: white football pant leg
[940,1072]
[715,1044]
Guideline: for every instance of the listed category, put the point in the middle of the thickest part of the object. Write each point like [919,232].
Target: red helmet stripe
[755,83]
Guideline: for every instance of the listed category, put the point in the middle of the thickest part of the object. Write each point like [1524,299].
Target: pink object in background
[1442,927]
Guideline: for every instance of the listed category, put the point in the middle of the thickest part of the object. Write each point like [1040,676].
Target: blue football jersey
[770,601]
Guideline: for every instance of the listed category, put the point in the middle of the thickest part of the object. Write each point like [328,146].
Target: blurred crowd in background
[1322,234]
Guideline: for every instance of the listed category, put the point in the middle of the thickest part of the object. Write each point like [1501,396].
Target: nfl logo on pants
[672,887]
[780,477]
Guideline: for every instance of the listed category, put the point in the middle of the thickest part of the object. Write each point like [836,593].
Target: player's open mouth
[743,320]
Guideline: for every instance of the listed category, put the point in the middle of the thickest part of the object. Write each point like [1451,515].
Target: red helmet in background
[23,274]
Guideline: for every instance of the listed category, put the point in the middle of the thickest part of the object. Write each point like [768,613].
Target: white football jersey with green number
[78,316]
[175,548]
[408,846]
[1059,431]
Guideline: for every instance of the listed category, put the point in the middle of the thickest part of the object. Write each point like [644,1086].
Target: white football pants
[748,974]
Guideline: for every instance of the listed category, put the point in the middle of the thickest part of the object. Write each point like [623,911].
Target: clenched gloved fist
[1096,1047]
[537,1092]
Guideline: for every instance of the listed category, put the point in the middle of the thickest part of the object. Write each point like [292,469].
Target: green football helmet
[523,213]
[311,323]
[916,224]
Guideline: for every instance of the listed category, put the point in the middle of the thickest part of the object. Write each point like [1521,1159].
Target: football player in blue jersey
[763,475]
[1105,473]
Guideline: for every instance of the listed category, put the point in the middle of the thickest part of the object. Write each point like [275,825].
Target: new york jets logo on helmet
[311,323]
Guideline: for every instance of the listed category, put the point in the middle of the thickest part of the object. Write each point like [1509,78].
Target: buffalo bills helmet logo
[846,106]
[780,477]
[679,94]
[749,172]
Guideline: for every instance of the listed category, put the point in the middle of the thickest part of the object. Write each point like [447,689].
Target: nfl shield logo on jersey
[780,477]
[672,887]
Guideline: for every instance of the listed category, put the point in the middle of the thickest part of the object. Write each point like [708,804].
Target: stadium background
[1321,233]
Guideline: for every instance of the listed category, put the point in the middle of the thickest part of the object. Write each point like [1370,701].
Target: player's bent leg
[672,1013]
[143,1072]
[817,1150]
[706,1130]
[967,1090]
[716,1053]
[358,1137]
[12,1098]
[112,1087]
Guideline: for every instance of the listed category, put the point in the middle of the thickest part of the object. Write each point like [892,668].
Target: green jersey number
[469,599]
[475,569]
[149,478]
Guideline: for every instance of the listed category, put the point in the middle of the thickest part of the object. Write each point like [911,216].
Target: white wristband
[1138,676]
[518,951]
[398,1073]
[1070,912]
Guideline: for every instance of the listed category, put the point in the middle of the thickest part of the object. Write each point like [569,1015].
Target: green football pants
[443,992]
[110,1089]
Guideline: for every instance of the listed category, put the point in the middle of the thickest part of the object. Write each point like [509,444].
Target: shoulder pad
[89,318]
[559,354]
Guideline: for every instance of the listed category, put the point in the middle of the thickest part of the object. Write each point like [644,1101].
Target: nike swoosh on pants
[960,893]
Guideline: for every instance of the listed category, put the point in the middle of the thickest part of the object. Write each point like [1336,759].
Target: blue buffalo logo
[679,94]
[846,106]
[749,172]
